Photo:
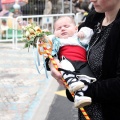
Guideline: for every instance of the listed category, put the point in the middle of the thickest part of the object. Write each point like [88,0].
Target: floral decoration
[32,33]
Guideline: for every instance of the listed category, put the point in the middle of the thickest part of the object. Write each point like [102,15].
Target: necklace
[100,28]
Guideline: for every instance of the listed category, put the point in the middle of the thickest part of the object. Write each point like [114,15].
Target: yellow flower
[27,33]
[85,13]
[37,29]
[29,25]
[32,32]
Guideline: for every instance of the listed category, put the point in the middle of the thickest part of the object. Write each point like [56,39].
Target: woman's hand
[55,73]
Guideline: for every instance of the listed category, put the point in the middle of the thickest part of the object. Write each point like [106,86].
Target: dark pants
[82,68]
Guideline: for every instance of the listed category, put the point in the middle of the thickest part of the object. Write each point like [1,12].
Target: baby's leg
[67,70]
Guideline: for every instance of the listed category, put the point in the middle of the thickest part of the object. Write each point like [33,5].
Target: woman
[104,61]
[78,6]
[48,7]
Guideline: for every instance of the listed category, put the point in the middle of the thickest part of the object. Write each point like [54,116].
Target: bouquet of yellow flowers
[33,34]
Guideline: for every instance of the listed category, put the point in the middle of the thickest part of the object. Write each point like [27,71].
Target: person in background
[66,6]
[78,6]
[17,11]
[48,7]
[84,5]
[82,10]
[90,6]
[31,21]
[73,6]
[104,60]
[4,28]
[5,11]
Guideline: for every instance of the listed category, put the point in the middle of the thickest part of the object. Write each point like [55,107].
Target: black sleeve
[92,19]
[107,90]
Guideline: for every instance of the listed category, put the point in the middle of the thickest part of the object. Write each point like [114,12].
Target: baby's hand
[81,34]
[55,73]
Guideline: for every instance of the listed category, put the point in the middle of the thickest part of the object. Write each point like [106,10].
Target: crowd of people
[6,23]
[83,7]
[77,6]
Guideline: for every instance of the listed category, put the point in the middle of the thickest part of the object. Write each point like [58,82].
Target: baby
[71,51]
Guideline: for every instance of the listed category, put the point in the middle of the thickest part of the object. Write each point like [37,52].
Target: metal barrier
[14,32]
[44,21]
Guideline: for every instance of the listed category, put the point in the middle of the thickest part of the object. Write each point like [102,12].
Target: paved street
[25,94]
[62,109]
[21,87]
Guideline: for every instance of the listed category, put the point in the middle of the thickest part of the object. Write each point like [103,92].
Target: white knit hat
[16,6]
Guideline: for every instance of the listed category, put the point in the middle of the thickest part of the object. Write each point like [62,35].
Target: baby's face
[65,28]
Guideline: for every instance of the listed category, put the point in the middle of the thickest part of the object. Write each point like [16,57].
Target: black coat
[107,90]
